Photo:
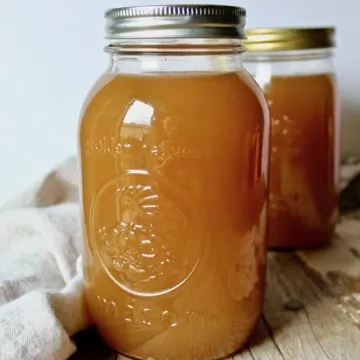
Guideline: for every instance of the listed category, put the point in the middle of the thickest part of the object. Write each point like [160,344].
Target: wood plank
[318,329]
[348,229]
[261,345]
[341,258]
[339,267]
[291,330]
[244,355]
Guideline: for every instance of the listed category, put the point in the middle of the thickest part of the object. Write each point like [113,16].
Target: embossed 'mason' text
[137,312]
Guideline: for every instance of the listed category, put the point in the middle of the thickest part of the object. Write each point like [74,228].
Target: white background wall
[51,53]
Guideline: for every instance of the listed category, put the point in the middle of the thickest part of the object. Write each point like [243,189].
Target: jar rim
[283,39]
[175,21]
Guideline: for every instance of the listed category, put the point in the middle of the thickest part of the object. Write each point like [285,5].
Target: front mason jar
[295,69]
[173,146]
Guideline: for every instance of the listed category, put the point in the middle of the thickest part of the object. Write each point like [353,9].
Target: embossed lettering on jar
[174,160]
[294,67]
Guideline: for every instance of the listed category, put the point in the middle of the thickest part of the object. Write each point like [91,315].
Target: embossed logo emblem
[147,235]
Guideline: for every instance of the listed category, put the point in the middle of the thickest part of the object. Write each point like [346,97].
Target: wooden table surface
[312,306]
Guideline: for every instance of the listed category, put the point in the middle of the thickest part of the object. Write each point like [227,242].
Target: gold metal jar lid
[283,39]
[175,21]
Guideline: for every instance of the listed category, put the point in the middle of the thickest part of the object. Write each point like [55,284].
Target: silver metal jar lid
[175,21]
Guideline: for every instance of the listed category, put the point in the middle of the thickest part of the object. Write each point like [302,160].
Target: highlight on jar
[174,149]
[294,67]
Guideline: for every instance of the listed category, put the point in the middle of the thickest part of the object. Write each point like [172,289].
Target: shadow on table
[91,347]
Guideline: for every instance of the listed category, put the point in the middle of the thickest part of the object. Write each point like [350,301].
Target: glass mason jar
[295,69]
[174,167]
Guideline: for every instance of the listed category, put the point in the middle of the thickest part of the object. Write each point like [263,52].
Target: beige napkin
[41,298]
[41,303]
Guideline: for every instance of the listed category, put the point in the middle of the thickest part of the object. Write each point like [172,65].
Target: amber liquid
[174,188]
[303,170]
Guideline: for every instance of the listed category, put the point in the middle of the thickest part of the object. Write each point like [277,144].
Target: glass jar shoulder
[97,87]
[290,68]
[175,93]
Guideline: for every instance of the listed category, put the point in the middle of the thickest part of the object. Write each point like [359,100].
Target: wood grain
[311,310]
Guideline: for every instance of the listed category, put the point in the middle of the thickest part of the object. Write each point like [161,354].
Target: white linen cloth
[41,297]
[41,302]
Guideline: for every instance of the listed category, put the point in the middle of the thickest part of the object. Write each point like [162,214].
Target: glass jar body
[300,87]
[174,166]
